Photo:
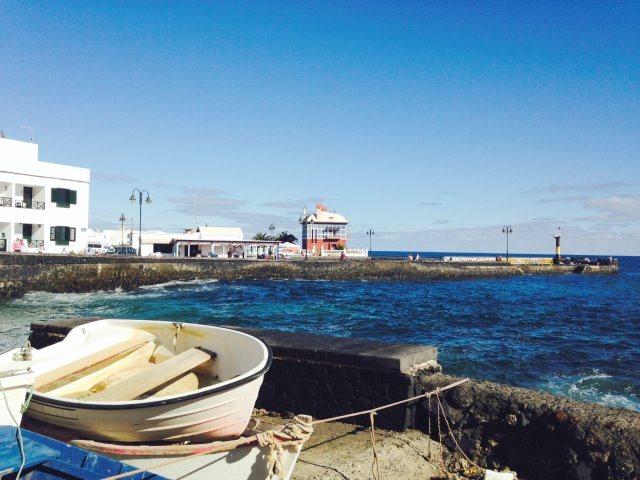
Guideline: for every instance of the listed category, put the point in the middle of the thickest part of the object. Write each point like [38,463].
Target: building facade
[43,206]
[323,231]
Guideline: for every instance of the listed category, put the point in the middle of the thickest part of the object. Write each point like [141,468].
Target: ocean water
[574,335]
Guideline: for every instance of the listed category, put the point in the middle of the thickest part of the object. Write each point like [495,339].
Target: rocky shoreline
[21,273]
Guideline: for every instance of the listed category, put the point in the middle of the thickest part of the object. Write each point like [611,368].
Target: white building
[43,206]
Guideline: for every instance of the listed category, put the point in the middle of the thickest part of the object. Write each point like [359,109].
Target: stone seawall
[21,273]
[539,435]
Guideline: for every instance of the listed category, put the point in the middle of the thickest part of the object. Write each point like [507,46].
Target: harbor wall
[21,272]
[539,435]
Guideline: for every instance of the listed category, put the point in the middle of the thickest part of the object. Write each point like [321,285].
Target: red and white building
[323,231]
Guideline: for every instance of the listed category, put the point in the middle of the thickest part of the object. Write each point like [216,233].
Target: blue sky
[434,123]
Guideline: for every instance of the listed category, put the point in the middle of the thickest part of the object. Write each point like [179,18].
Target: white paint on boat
[14,387]
[219,409]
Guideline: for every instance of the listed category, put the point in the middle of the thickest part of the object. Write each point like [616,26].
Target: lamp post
[132,199]
[370,232]
[507,229]
[122,219]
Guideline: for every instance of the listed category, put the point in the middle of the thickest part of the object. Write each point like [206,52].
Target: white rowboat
[144,381]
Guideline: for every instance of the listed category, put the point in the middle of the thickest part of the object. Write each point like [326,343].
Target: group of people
[414,258]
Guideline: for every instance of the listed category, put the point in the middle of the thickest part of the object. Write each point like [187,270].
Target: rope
[372,434]
[407,400]
[440,447]
[23,458]
[178,327]
[293,433]
[274,457]
[453,438]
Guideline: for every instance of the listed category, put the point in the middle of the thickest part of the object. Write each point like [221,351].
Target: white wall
[20,167]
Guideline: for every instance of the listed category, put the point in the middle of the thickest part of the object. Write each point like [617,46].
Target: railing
[5,201]
[33,205]
[36,244]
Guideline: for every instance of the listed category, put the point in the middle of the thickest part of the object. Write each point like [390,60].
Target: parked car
[97,248]
[124,251]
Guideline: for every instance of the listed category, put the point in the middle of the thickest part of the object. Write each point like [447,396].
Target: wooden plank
[82,362]
[153,377]
[126,365]
[184,384]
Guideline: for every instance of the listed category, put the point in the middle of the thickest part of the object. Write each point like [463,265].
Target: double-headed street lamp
[507,229]
[370,232]
[132,199]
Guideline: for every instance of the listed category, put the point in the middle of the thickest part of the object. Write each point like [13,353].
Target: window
[63,197]
[27,231]
[62,235]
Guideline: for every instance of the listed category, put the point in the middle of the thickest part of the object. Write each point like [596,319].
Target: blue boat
[46,458]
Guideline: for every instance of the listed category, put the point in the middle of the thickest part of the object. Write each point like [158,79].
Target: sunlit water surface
[575,335]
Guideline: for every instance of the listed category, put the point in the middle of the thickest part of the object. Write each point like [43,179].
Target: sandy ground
[339,451]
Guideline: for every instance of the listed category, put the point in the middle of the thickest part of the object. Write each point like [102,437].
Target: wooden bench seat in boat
[118,370]
[54,371]
[154,376]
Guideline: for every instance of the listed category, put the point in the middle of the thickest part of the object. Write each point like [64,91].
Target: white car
[97,248]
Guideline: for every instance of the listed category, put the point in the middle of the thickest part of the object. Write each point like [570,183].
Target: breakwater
[539,435]
[21,273]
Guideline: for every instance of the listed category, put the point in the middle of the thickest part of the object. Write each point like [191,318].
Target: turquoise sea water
[575,335]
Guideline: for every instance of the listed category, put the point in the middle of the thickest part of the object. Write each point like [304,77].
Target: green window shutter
[54,195]
[62,236]
[62,197]
[73,197]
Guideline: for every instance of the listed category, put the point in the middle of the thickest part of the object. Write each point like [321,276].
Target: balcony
[5,201]
[32,205]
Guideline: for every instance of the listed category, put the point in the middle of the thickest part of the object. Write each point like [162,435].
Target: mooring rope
[23,407]
[296,432]
[372,434]
[446,421]
[407,400]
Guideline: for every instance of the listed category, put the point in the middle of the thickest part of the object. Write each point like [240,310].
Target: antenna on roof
[30,128]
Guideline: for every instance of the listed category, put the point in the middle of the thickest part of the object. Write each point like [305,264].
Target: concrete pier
[21,273]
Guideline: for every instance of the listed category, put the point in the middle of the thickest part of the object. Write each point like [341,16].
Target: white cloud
[626,205]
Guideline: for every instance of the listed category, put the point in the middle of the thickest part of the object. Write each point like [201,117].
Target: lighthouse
[557,237]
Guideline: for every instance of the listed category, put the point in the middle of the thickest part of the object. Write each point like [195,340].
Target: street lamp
[370,232]
[122,219]
[132,199]
[507,229]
